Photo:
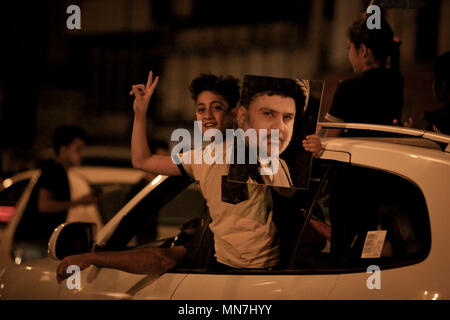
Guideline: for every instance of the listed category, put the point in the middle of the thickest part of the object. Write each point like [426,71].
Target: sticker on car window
[373,245]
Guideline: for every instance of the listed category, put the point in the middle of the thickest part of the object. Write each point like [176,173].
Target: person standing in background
[375,94]
[50,200]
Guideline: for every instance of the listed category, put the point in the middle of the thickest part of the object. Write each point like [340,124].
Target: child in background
[375,94]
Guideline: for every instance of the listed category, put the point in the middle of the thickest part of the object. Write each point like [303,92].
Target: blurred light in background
[7,183]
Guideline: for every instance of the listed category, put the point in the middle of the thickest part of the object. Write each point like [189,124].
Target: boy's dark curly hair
[226,86]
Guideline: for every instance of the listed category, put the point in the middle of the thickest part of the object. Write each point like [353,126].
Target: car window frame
[161,195]
[292,270]
[363,269]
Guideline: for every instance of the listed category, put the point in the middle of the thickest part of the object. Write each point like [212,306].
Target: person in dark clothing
[54,192]
[375,94]
[51,198]
[439,120]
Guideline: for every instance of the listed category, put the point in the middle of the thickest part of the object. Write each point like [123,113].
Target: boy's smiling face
[212,109]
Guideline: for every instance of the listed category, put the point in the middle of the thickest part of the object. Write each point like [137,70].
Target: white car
[114,185]
[384,200]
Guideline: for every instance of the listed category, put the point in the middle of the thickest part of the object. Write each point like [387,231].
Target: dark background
[50,76]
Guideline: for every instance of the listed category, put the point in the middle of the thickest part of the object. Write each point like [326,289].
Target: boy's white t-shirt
[244,233]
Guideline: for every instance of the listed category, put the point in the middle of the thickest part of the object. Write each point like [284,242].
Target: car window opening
[322,230]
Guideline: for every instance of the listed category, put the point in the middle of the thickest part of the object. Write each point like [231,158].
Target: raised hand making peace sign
[143,93]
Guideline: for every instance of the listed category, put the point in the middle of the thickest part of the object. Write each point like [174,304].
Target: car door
[106,284]
[167,205]
[358,221]
[295,277]
[384,237]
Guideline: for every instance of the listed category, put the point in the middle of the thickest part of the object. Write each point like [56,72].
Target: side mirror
[71,238]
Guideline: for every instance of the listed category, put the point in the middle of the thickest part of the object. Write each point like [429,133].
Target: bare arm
[47,203]
[323,228]
[139,261]
[141,155]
